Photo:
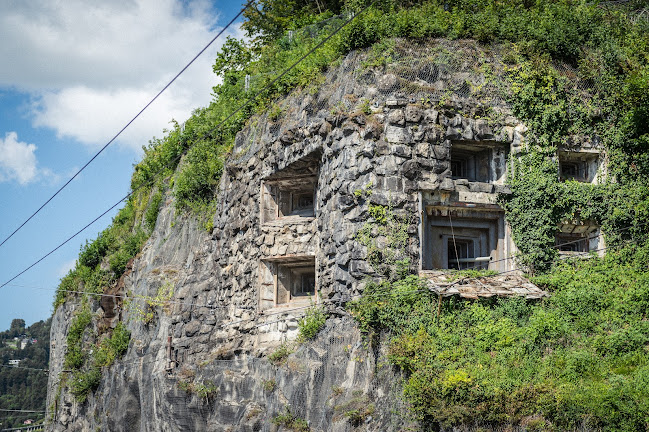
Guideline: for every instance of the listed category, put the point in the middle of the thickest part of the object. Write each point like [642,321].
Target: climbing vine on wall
[540,201]
[146,308]
[385,236]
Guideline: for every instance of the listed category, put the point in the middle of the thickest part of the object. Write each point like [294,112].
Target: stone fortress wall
[427,135]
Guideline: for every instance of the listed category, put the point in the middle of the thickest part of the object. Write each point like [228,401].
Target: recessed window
[302,203]
[293,197]
[477,162]
[302,282]
[578,238]
[573,171]
[290,193]
[578,166]
[460,166]
[462,243]
[285,280]
[571,243]
[570,170]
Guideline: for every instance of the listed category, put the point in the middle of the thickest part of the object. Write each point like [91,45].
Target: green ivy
[86,368]
[540,201]
[151,216]
[113,347]
[291,422]
[385,236]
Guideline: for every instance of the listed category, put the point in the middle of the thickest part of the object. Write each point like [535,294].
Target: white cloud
[93,116]
[65,268]
[93,65]
[17,160]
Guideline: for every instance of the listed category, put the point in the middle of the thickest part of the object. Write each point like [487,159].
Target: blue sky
[73,74]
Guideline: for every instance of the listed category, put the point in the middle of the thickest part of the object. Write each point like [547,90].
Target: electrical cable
[127,124]
[22,367]
[66,241]
[20,411]
[26,427]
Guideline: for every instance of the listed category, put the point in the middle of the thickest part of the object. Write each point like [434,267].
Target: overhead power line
[20,411]
[32,427]
[66,241]
[219,125]
[127,124]
[22,367]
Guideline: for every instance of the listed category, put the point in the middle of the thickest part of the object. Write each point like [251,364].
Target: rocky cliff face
[291,201]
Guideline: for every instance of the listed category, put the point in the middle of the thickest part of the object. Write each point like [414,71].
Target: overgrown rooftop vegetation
[577,360]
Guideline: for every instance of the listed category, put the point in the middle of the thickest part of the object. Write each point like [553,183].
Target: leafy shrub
[185,386]
[291,421]
[197,179]
[402,298]
[151,216]
[145,308]
[74,356]
[280,355]
[84,382]
[357,409]
[310,325]
[502,361]
[112,348]
[269,385]
[204,389]
[93,252]
[130,246]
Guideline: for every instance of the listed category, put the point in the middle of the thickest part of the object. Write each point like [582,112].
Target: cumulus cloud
[93,65]
[65,268]
[17,160]
[93,116]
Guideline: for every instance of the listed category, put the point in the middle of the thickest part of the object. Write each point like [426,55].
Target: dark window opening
[476,162]
[459,167]
[303,282]
[295,282]
[466,243]
[572,243]
[302,204]
[460,251]
[578,166]
[573,170]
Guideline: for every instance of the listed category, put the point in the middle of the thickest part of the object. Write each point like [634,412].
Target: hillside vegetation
[576,360]
[25,387]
